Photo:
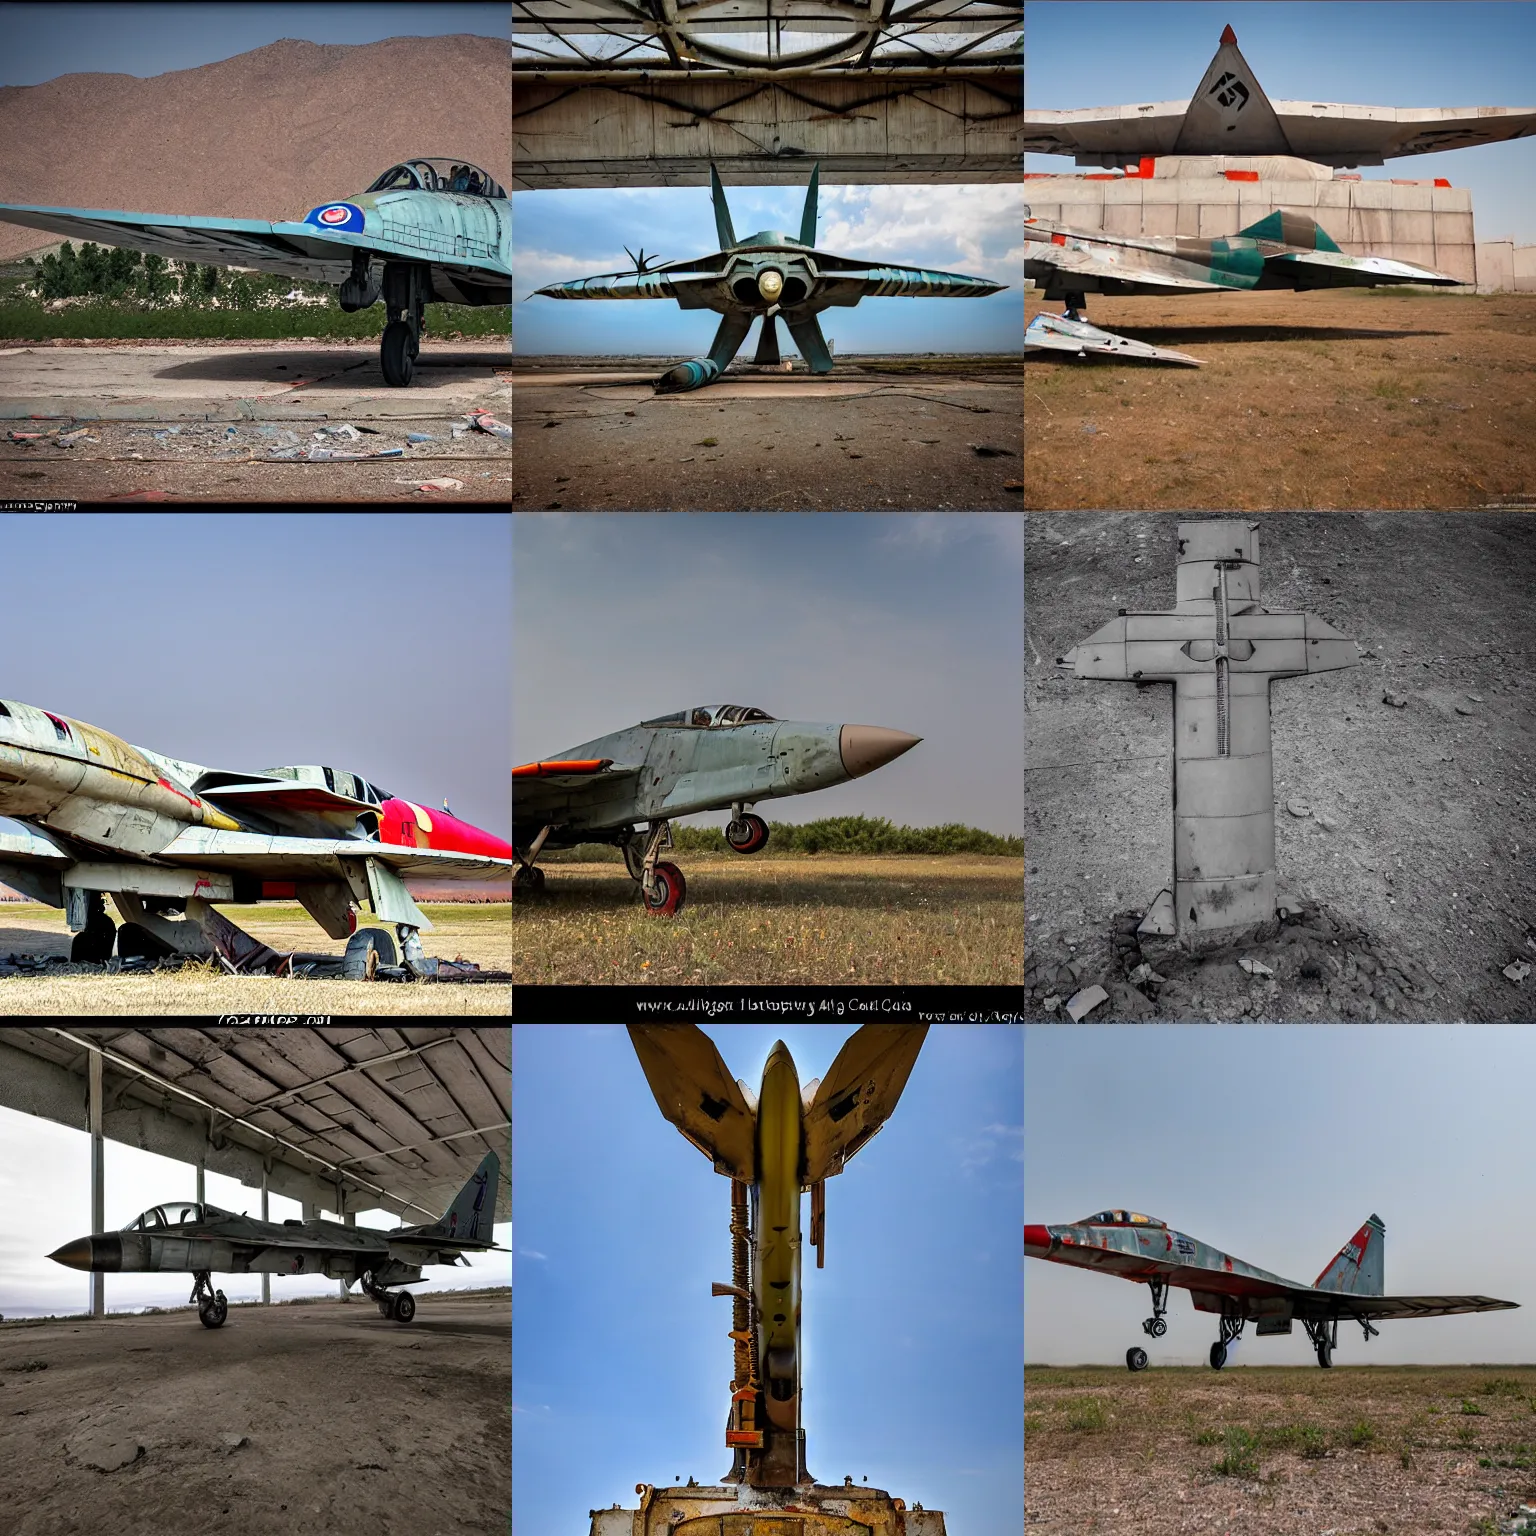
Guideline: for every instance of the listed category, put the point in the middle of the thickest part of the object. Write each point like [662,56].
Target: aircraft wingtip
[1228,36]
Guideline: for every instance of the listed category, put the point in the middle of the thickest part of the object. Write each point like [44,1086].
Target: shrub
[1242,1457]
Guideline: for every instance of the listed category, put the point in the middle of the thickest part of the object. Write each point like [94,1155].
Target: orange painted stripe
[1241,175]
[577,765]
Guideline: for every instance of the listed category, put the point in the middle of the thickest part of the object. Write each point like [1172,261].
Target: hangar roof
[349,1118]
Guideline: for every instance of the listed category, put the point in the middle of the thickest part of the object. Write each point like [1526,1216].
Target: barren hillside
[264,135]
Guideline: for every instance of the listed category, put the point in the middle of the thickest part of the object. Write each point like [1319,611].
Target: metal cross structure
[1221,651]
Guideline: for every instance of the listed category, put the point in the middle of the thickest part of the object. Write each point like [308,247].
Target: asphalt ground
[921,432]
[202,420]
[1332,401]
[320,1417]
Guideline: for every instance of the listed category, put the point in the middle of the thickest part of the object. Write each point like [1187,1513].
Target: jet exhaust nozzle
[694,374]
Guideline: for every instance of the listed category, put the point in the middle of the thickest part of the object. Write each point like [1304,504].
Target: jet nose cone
[77,1255]
[864,748]
[1037,1241]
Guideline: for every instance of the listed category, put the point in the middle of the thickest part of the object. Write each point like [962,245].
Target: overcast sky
[1274,1143]
[374,642]
[977,230]
[912,621]
[1421,54]
[911,1331]
[45,1200]
[45,41]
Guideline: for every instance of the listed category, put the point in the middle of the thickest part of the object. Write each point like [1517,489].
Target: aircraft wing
[858,1093]
[695,1091]
[1327,1304]
[1062,264]
[319,858]
[288,249]
[561,784]
[890,281]
[1333,269]
[29,847]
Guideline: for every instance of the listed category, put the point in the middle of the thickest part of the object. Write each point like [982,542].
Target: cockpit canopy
[335,780]
[438,175]
[1120,1219]
[179,1213]
[712,716]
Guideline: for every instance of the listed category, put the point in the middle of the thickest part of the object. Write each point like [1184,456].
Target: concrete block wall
[1504,267]
[1428,225]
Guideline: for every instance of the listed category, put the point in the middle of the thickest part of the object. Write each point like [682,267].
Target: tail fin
[473,1212]
[808,214]
[722,210]
[1292,229]
[1357,1268]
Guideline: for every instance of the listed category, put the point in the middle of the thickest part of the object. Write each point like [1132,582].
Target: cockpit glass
[158,1217]
[438,175]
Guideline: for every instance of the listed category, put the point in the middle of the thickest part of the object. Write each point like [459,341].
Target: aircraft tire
[135,941]
[212,1315]
[1218,1355]
[1325,1355]
[1135,1359]
[368,949]
[667,893]
[747,835]
[403,1308]
[528,878]
[93,944]
[396,357]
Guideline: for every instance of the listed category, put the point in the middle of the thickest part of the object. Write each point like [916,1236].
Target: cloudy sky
[1462,53]
[374,642]
[908,620]
[45,1200]
[978,230]
[911,1331]
[1274,1143]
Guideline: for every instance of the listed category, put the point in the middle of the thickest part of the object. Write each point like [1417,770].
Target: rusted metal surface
[1221,650]
[737,1510]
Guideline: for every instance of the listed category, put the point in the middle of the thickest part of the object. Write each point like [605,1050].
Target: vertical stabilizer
[808,213]
[1357,1268]
[722,211]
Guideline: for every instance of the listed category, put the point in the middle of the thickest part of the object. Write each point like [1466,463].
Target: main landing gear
[212,1308]
[1324,1335]
[1231,1332]
[528,878]
[1154,1327]
[406,289]
[662,886]
[398,1306]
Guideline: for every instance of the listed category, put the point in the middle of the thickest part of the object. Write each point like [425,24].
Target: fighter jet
[440,231]
[768,276]
[700,759]
[164,837]
[202,1240]
[1282,250]
[1143,1249]
[773,1146]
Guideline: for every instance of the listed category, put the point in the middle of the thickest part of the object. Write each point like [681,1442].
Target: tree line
[118,275]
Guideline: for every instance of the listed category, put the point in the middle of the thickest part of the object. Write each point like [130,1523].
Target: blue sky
[909,620]
[1460,54]
[978,230]
[372,642]
[1274,1143]
[45,41]
[620,1361]
[45,1200]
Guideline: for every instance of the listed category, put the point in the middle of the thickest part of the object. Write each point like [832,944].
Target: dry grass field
[827,919]
[1279,1451]
[477,931]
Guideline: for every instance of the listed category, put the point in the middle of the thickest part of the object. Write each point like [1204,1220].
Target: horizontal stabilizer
[696,1093]
[858,1094]
[1333,269]
[1059,333]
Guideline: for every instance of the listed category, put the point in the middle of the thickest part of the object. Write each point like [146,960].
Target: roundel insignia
[343,216]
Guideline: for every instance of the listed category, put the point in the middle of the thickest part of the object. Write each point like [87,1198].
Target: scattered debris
[1396,700]
[1461,709]
[483,421]
[1256,967]
[1085,1002]
[317,455]
[987,451]
[419,437]
[1298,807]
[1518,971]
[79,435]
[444,483]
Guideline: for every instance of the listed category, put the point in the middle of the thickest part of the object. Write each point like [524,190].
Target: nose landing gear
[212,1308]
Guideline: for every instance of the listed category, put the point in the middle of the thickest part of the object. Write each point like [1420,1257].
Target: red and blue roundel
[338,216]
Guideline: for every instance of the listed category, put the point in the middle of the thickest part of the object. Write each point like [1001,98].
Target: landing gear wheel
[634,859]
[135,942]
[528,879]
[93,944]
[1324,1354]
[403,1307]
[1135,1359]
[1218,1355]
[668,888]
[367,950]
[747,835]
[211,1314]
[1155,1327]
[397,353]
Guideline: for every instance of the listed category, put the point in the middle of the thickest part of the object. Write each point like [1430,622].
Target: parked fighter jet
[1141,1248]
[771,276]
[441,231]
[777,1144]
[201,1239]
[1282,250]
[163,837]
[699,759]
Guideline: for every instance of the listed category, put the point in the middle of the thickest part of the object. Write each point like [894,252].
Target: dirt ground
[1415,848]
[479,932]
[932,433]
[1275,1451]
[830,919]
[293,1419]
[1309,400]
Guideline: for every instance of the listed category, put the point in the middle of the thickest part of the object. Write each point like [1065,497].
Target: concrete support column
[98,1172]
[266,1279]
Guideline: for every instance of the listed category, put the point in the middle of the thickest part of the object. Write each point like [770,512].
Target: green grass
[1087,1415]
[1242,1457]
